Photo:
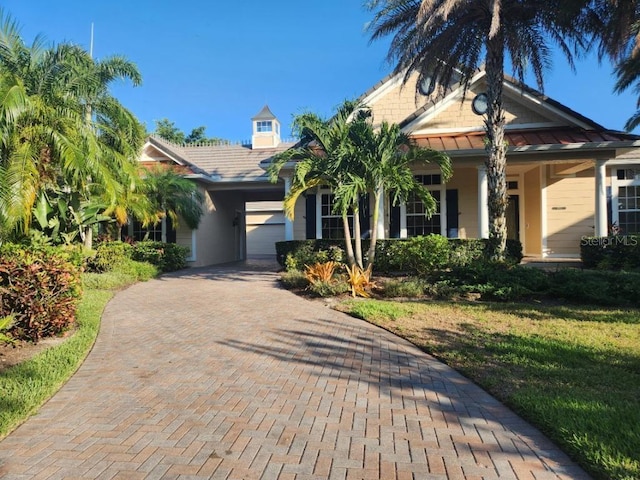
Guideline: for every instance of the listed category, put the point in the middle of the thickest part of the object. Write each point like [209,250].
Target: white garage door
[265,227]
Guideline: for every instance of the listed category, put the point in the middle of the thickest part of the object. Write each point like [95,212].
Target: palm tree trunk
[374,228]
[88,237]
[496,162]
[351,259]
[357,234]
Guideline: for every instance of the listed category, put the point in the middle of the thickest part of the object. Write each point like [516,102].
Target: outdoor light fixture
[480,104]
[427,85]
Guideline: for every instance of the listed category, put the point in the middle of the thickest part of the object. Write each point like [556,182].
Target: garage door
[265,227]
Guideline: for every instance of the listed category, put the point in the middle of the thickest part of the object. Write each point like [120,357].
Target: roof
[530,140]
[224,163]
[264,114]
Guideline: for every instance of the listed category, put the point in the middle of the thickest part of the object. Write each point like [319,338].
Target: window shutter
[394,222]
[310,215]
[452,213]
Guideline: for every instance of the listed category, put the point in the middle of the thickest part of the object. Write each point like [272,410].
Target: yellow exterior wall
[398,103]
[570,211]
[460,115]
[465,180]
[532,213]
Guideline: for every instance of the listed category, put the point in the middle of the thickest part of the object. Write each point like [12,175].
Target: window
[417,222]
[332,226]
[628,174]
[264,126]
[629,209]
[152,232]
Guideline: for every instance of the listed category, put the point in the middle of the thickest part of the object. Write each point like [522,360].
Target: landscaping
[562,348]
[50,331]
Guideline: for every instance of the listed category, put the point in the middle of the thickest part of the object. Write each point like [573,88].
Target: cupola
[266,129]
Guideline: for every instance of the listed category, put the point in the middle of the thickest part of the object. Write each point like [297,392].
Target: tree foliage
[168,130]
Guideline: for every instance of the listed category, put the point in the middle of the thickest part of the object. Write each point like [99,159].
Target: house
[568,177]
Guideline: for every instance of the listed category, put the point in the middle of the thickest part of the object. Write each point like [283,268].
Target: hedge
[620,252]
[416,255]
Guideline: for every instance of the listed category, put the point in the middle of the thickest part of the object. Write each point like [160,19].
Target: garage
[264,227]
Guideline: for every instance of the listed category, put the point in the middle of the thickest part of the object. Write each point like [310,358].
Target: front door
[513,217]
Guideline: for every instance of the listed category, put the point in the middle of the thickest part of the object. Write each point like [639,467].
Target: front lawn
[573,371]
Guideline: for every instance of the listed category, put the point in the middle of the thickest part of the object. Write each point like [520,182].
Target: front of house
[568,177]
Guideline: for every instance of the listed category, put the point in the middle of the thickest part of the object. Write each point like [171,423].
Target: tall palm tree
[172,196]
[451,39]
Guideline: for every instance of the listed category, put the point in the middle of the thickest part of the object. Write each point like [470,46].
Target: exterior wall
[532,212]
[300,220]
[218,239]
[465,180]
[184,237]
[398,103]
[460,115]
[570,211]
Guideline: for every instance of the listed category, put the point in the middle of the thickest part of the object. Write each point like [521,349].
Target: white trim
[380,230]
[403,220]
[193,256]
[483,202]
[382,90]
[167,154]
[288,223]
[615,202]
[601,198]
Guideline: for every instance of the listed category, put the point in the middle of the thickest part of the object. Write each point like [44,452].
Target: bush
[294,279]
[168,257]
[594,287]
[329,289]
[411,256]
[107,255]
[410,288]
[40,289]
[620,252]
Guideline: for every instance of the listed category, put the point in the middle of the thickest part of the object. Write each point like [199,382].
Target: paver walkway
[218,373]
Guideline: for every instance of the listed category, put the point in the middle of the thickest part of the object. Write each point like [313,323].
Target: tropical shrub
[107,255]
[619,252]
[409,256]
[320,272]
[40,289]
[359,281]
[168,257]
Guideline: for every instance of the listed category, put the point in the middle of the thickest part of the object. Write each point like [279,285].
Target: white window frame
[616,185]
[264,126]
[319,217]
[442,188]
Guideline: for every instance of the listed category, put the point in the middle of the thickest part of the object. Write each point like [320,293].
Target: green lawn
[572,371]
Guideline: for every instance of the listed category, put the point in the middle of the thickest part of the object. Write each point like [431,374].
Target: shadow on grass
[585,399]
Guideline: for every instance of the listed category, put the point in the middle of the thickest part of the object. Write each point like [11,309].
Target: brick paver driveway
[218,373]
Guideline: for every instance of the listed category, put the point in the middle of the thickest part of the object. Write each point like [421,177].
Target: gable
[152,154]
[393,101]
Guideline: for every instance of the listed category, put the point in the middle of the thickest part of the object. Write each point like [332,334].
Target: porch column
[483,203]
[288,223]
[601,199]
[381,217]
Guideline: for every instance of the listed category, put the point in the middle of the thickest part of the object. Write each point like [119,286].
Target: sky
[216,64]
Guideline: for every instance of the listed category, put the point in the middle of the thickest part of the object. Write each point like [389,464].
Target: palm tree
[323,157]
[388,155]
[451,39]
[172,196]
[60,127]
[349,155]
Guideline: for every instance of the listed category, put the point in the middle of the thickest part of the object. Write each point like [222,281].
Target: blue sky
[217,63]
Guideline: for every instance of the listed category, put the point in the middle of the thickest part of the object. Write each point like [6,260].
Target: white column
[483,203]
[288,223]
[381,217]
[601,199]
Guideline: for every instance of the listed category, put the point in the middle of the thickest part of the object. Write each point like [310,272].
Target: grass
[25,387]
[572,371]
